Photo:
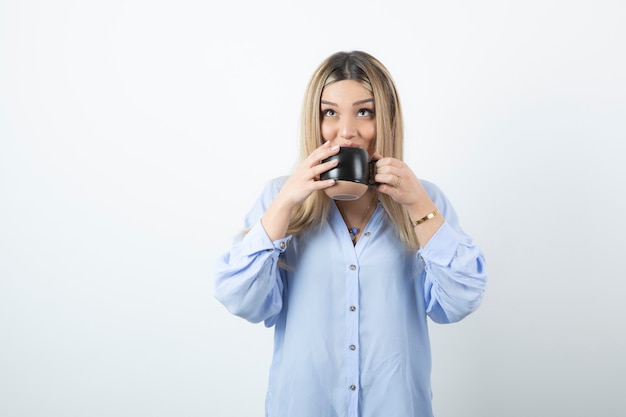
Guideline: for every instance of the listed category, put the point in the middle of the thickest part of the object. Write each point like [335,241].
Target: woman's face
[348,115]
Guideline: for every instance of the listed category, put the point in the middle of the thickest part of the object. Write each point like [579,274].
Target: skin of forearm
[276,219]
[426,230]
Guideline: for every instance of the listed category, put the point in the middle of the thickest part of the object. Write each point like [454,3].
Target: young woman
[348,284]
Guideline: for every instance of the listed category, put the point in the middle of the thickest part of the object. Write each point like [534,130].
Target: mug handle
[372,169]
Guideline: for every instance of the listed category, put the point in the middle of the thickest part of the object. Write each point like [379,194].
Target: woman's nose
[347,129]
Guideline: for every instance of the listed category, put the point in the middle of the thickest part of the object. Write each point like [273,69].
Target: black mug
[353,175]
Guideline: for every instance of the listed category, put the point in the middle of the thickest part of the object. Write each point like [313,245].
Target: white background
[134,136]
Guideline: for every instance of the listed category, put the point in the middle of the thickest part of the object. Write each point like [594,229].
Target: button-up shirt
[350,321]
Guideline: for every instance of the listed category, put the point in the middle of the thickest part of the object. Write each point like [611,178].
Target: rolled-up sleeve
[454,276]
[248,280]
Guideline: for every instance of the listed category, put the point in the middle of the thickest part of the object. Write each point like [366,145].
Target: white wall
[134,135]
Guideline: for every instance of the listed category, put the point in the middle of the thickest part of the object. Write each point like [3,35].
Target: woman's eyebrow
[356,103]
[367,100]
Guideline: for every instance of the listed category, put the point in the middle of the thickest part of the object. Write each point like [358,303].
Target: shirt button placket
[352,337]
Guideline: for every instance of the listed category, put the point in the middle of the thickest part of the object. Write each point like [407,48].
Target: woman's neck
[356,213]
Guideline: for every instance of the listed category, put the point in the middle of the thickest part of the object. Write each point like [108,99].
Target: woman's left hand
[397,180]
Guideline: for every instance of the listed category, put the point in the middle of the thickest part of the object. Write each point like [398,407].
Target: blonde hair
[372,74]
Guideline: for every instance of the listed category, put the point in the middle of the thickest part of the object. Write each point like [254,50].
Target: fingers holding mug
[388,172]
[324,166]
[389,182]
[397,180]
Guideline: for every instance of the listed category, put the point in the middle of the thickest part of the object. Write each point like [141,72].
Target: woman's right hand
[306,178]
[299,186]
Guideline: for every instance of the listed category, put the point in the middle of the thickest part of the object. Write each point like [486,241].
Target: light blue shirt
[350,321]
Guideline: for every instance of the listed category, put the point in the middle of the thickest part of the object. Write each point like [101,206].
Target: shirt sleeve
[248,280]
[455,276]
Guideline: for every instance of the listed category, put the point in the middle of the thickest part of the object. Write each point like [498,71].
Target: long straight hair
[371,74]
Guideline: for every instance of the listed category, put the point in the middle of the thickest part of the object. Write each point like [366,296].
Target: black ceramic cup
[353,174]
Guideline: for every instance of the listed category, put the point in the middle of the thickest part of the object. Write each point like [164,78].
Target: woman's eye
[328,113]
[366,112]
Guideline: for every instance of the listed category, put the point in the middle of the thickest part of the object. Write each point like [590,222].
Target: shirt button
[282,245]
[352,267]
[368,233]
[352,308]
[352,347]
[352,387]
